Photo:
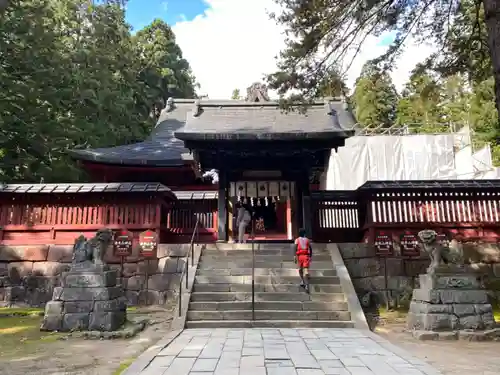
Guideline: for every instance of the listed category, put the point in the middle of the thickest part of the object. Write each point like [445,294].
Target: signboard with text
[148,243]
[122,243]
[409,245]
[383,244]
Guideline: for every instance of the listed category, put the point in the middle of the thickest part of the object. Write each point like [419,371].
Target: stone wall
[28,274]
[368,271]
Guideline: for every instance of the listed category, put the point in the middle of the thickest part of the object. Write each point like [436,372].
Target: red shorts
[303,261]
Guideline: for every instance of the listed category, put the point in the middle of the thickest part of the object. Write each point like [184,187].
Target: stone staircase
[222,291]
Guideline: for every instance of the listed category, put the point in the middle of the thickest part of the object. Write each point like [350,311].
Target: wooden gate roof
[240,120]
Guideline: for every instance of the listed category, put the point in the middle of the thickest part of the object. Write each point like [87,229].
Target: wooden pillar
[289,230]
[222,208]
[230,224]
[305,197]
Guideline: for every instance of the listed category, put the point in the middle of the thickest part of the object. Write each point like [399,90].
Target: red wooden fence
[58,213]
[182,216]
[470,215]
[335,216]
[61,223]
[460,209]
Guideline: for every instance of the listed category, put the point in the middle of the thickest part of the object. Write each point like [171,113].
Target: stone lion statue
[92,250]
[439,254]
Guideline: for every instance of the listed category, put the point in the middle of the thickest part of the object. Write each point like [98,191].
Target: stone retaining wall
[368,271]
[28,274]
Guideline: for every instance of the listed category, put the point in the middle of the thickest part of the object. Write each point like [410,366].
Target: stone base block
[485,335]
[87,294]
[437,281]
[431,322]
[75,322]
[89,279]
[106,321]
[449,296]
[52,323]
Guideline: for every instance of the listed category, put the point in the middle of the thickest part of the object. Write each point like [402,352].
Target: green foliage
[459,85]
[72,76]
[236,94]
[374,98]
[420,106]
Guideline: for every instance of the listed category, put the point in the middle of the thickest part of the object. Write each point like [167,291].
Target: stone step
[261,258]
[269,315]
[269,324]
[261,272]
[258,252]
[268,305]
[282,288]
[248,246]
[317,280]
[266,296]
[247,263]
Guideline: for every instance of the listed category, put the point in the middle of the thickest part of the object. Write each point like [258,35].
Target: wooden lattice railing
[80,217]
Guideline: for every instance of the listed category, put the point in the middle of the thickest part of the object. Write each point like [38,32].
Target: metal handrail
[252,238]
[194,236]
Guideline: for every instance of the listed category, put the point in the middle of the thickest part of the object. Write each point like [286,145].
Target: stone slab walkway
[254,351]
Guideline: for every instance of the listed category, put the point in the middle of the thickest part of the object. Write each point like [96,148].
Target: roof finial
[197,108]
[170,105]
[257,92]
[345,104]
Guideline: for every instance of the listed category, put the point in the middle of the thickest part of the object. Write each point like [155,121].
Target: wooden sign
[409,245]
[122,243]
[148,242]
[383,244]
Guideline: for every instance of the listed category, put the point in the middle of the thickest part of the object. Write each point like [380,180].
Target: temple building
[250,150]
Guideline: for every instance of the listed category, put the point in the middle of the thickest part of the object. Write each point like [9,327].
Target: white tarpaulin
[492,174]
[376,158]
[482,160]
[464,166]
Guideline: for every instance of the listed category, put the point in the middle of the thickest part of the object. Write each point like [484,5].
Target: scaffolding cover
[481,160]
[464,166]
[380,157]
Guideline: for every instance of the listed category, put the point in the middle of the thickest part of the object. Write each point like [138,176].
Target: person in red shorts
[303,255]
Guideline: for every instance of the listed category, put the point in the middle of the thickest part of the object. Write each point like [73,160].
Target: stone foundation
[88,300]
[29,274]
[450,302]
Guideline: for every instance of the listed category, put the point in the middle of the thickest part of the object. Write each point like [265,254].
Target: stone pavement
[284,351]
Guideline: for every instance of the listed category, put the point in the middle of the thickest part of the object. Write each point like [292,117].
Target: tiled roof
[196,195]
[161,148]
[266,120]
[230,119]
[123,187]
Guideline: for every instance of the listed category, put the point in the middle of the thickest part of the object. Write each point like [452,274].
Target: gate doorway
[272,215]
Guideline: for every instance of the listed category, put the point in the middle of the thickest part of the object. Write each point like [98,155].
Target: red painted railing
[462,215]
[182,217]
[60,221]
[346,215]
[335,216]
[432,207]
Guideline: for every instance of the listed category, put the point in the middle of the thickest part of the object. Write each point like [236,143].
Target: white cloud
[234,43]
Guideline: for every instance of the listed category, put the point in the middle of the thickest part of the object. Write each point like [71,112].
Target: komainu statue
[439,254]
[92,250]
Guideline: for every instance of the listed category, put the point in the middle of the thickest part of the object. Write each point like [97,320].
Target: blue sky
[387,39]
[141,12]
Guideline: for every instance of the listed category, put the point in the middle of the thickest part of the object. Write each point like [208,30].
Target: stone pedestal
[451,299]
[88,299]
